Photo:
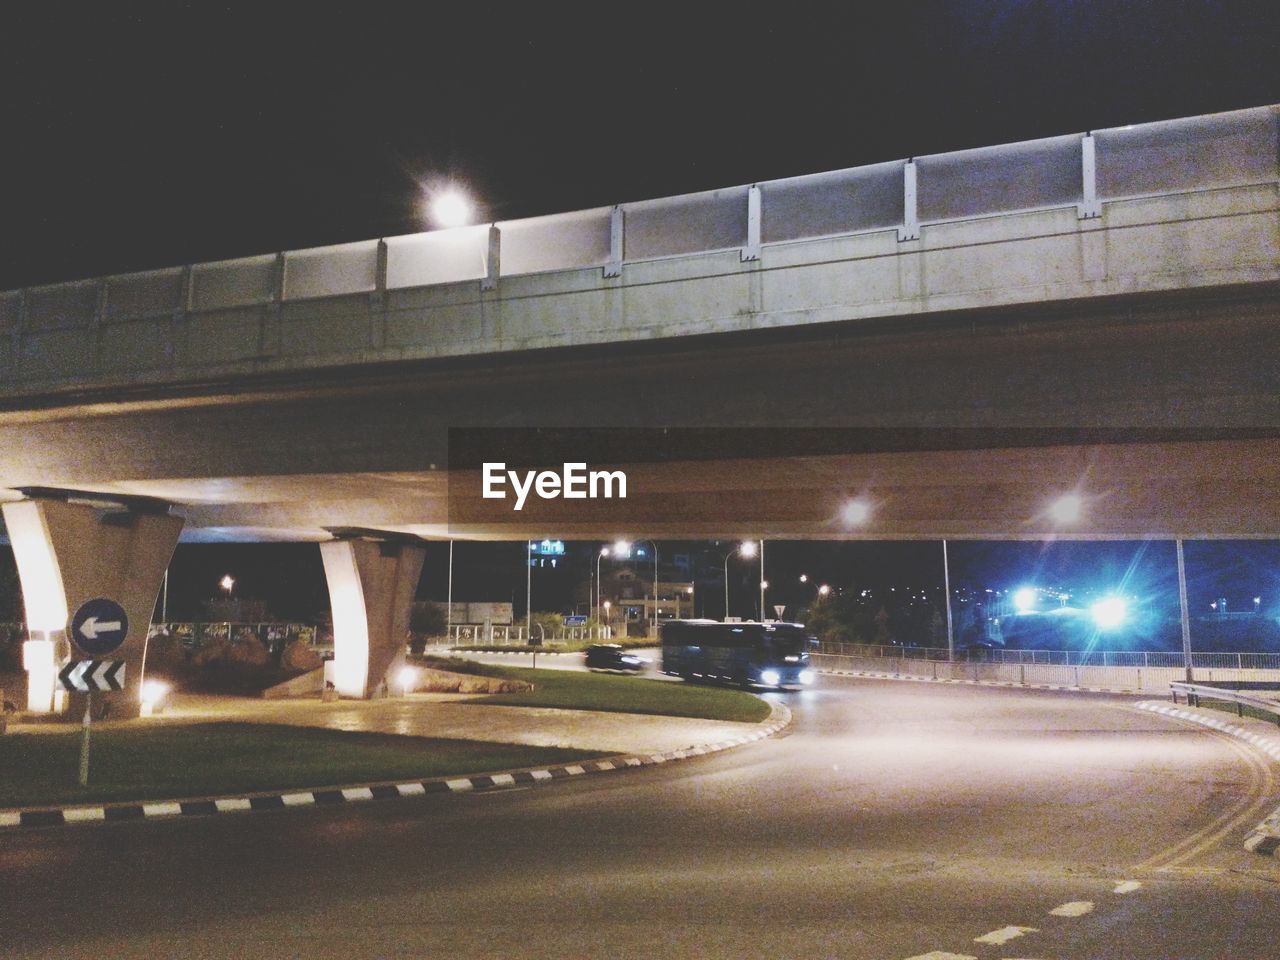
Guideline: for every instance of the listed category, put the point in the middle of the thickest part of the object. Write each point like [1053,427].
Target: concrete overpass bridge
[956,339]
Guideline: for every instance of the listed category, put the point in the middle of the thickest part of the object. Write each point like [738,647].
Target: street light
[604,552]
[451,208]
[746,550]
[654,543]
[1066,509]
[824,590]
[856,511]
[227,583]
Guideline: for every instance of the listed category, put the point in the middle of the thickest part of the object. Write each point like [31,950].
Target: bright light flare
[856,511]
[1025,600]
[1066,509]
[824,590]
[1109,613]
[406,678]
[748,549]
[451,208]
[227,583]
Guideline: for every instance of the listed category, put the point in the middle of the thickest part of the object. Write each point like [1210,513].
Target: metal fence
[1078,171]
[501,634]
[1064,658]
[274,636]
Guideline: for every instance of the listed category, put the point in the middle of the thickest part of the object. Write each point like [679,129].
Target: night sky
[146,135]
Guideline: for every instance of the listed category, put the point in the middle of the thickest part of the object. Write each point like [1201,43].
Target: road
[894,820]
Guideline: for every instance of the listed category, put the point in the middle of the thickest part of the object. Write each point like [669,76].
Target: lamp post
[654,543]
[763,582]
[604,552]
[746,550]
[946,586]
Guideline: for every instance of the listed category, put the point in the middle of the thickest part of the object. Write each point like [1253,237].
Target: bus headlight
[806,676]
[770,678]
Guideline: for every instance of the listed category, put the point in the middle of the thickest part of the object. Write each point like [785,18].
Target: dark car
[611,656]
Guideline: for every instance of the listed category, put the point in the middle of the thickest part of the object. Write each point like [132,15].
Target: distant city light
[227,583]
[1066,509]
[1109,613]
[1025,600]
[855,511]
[622,548]
[826,589]
[804,578]
[451,208]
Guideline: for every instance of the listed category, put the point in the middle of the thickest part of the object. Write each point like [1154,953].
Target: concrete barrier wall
[1153,680]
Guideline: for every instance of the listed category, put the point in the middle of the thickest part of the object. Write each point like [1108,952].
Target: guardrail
[1147,659]
[1195,692]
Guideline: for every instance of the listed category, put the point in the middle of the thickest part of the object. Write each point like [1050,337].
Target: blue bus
[751,654]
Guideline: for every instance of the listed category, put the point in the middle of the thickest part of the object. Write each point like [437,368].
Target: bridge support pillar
[371,589]
[68,553]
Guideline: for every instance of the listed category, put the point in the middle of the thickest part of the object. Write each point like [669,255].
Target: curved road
[893,820]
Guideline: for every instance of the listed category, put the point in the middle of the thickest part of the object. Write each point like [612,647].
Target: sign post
[98,627]
[86,676]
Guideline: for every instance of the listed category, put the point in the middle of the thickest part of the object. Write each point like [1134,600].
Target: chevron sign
[85,676]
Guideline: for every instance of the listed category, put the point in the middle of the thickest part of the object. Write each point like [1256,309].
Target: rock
[248,651]
[298,657]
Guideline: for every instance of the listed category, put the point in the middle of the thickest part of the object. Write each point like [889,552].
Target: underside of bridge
[1161,413]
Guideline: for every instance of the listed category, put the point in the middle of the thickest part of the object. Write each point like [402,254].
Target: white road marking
[298,799]
[942,955]
[12,819]
[84,813]
[161,809]
[503,779]
[232,803]
[459,785]
[1005,934]
[1127,886]
[410,789]
[541,774]
[574,770]
[1076,908]
[357,793]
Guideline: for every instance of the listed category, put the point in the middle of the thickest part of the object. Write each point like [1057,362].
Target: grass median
[619,694]
[206,759]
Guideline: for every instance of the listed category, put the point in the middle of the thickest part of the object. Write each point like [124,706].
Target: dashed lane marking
[1076,908]
[1005,934]
[1127,886]
[942,955]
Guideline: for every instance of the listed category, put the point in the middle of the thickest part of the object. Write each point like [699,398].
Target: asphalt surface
[893,820]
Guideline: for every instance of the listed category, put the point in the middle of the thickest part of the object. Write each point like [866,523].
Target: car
[611,656]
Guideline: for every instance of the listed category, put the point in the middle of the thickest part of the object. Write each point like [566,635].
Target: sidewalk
[466,717]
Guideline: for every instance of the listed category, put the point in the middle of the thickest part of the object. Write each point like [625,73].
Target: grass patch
[558,646]
[594,691]
[187,760]
[460,665]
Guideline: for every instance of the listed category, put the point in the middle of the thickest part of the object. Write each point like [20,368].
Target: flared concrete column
[68,553]
[371,589]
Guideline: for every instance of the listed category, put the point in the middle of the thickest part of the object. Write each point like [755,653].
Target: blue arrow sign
[99,626]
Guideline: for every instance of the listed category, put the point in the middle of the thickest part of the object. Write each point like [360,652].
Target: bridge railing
[131,311]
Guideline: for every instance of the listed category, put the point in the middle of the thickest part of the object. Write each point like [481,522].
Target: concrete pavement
[467,717]
[893,821]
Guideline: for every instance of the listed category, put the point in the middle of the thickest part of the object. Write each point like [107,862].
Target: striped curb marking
[1265,838]
[162,809]
[980,683]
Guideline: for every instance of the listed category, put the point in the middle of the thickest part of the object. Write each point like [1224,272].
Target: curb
[1008,684]
[779,718]
[1265,838]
